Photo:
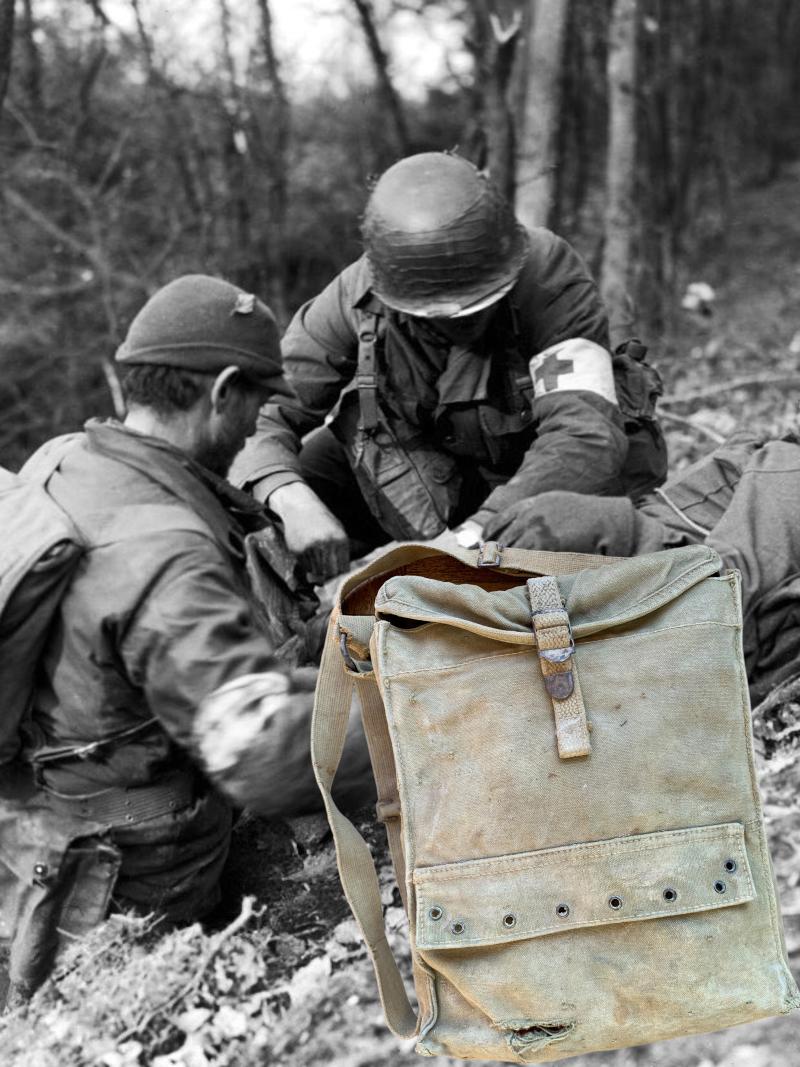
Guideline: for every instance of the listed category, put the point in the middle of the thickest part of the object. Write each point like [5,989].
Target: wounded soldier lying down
[743,500]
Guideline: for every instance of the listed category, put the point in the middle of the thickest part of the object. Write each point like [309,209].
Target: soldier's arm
[580,442]
[193,644]
[320,351]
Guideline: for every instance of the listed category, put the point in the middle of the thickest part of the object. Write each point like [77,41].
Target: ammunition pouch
[638,387]
[57,874]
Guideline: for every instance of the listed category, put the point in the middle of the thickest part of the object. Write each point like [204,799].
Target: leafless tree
[380,61]
[494,44]
[276,166]
[537,137]
[6,43]
[620,214]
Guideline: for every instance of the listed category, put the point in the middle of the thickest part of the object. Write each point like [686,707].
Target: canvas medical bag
[563,755]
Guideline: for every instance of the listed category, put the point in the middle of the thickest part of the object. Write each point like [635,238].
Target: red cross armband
[575,364]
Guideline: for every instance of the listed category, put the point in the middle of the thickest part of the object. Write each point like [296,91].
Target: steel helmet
[441,240]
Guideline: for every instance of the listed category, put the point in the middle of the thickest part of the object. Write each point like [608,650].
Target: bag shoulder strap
[335,687]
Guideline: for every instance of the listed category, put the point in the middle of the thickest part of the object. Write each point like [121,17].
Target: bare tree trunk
[386,89]
[496,25]
[6,42]
[274,241]
[537,138]
[235,149]
[33,63]
[620,213]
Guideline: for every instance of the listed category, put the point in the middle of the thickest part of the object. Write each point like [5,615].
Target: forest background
[142,139]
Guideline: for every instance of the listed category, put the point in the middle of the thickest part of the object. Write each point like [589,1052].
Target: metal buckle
[558,655]
[555,655]
[349,662]
[490,554]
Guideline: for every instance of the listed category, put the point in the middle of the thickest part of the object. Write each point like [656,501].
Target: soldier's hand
[560,521]
[311,531]
[523,525]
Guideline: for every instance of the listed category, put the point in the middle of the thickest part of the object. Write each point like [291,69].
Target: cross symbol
[550,369]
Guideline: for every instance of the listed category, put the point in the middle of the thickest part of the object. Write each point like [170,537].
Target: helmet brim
[439,303]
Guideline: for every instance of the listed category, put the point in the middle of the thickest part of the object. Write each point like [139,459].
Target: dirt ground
[287,981]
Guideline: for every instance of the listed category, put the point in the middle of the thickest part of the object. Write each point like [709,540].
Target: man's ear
[221,389]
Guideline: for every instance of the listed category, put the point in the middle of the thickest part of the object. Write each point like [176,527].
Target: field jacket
[156,618]
[527,427]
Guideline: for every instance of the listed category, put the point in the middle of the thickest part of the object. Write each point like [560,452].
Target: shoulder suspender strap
[366,375]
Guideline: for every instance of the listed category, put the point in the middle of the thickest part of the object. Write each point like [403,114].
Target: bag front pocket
[595,945]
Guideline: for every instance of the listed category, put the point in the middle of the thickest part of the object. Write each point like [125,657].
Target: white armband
[571,365]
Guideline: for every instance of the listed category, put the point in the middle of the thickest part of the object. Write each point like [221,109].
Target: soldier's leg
[759,533]
[325,468]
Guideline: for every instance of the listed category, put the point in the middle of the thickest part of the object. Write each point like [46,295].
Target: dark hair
[164,389]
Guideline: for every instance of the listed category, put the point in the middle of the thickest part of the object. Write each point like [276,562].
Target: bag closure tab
[556,646]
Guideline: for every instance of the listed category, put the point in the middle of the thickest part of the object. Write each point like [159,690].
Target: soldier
[160,700]
[742,500]
[461,365]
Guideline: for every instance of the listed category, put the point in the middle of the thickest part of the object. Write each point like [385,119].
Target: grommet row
[563,910]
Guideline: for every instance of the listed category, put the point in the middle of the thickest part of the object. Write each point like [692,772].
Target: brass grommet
[435,913]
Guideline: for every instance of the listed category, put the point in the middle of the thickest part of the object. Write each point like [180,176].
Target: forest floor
[288,981]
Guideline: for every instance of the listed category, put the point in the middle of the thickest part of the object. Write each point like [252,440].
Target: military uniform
[742,500]
[532,406]
[156,618]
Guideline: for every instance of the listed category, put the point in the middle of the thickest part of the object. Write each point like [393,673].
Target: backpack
[563,754]
[40,551]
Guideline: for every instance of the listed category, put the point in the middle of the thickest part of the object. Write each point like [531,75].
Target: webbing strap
[366,375]
[356,867]
[554,640]
[385,771]
[531,561]
[357,631]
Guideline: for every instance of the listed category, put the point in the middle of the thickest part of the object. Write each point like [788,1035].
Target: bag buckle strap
[556,647]
[353,651]
[490,554]
[387,809]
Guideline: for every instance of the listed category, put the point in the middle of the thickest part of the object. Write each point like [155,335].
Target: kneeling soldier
[157,631]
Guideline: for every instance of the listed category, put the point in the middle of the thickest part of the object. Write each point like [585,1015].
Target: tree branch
[679,420]
[380,61]
[754,381]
